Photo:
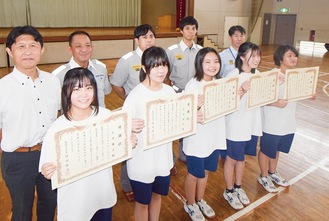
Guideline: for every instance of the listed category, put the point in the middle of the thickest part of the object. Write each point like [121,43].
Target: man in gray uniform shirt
[80,46]
[126,77]
[181,58]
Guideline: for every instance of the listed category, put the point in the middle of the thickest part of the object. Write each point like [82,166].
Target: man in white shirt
[29,104]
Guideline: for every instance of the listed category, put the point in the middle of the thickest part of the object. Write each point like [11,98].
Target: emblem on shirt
[137,67]
[179,56]
[231,62]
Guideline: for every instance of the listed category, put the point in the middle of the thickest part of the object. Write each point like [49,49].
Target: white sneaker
[267,184]
[233,200]
[276,177]
[194,212]
[207,211]
[242,196]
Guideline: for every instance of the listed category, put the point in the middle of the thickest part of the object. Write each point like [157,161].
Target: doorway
[285,29]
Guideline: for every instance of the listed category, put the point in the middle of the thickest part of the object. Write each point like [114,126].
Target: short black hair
[80,32]
[198,62]
[71,79]
[280,51]
[23,30]
[142,30]
[188,20]
[235,28]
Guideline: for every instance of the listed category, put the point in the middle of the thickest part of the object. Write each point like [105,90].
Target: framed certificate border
[301,83]
[170,118]
[264,89]
[91,147]
[220,98]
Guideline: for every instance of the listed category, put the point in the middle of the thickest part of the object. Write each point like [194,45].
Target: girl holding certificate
[242,127]
[92,197]
[149,170]
[279,124]
[202,148]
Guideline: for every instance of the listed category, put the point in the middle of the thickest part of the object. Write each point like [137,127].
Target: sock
[270,173]
[229,191]
[237,186]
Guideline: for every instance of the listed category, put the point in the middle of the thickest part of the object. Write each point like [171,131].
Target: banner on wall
[180,11]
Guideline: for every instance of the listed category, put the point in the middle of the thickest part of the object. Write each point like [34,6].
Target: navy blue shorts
[237,149]
[270,144]
[197,166]
[143,191]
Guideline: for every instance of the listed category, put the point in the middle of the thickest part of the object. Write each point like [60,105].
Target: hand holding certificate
[263,89]
[220,98]
[301,83]
[89,147]
[170,118]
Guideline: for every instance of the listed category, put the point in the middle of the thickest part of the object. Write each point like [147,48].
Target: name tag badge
[179,56]
[137,67]
[231,62]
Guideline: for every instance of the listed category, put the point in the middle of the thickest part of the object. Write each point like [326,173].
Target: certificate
[87,148]
[300,83]
[264,89]
[220,98]
[169,118]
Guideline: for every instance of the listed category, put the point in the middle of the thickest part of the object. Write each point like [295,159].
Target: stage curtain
[12,13]
[72,13]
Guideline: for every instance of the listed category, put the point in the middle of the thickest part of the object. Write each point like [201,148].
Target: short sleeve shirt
[228,61]
[126,72]
[181,60]
[99,71]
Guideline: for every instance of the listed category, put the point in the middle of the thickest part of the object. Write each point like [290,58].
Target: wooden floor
[306,166]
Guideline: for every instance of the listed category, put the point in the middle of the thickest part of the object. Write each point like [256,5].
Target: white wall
[311,15]
[211,15]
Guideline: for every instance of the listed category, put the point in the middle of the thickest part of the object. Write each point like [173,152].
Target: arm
[280,103]
[120,91]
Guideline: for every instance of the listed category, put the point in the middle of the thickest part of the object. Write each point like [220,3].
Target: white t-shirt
[279,121]
[243,123]
[209,137]
[80,200]
[144,166]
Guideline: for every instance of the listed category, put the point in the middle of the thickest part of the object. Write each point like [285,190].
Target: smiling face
[210,66]
[250,60]
[81,49]
[156,77]
[26,52]
[82,96]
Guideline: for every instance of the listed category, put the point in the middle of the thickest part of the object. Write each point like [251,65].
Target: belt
[36,147]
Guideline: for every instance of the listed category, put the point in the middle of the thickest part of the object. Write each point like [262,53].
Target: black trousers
[20,173]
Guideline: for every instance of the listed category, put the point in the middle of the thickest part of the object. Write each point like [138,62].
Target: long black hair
[242,52]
